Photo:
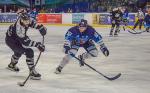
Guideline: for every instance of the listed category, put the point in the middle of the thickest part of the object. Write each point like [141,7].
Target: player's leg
[30,62]
[73,50]
[147,29]
[14,60]
[112,27]
[140,24]
[117,28]
[125,22]
[135,25]
[91,51]
[18,51]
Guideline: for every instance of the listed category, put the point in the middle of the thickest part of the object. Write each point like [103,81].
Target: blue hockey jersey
[33,14]
[147,20]
[125,14]
[81,38]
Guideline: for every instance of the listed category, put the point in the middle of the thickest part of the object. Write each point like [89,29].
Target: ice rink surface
[129,54]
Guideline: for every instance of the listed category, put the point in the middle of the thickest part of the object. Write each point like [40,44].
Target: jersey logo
[69,33]
[82,39]
[117,15]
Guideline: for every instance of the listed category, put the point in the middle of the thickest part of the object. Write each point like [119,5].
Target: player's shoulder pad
[91,28]
[73,28]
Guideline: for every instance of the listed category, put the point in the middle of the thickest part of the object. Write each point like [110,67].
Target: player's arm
[146,21]
[145,18]
[27,42]
[121,16]
[98,39]
[40,27]
[68,41]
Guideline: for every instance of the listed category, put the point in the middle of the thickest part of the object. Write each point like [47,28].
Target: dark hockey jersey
[18,32]
[116,14]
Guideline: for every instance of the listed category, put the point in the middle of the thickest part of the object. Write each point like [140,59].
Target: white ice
[129,55]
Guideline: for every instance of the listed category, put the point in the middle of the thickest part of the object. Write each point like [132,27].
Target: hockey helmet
[83,23]
[25,19]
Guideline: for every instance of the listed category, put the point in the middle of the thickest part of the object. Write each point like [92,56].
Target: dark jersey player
[116,17]
[20,43]
[84,36]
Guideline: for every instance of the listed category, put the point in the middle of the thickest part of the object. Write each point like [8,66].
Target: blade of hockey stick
[109,78]
[115,77]
[136,32]
[133,31]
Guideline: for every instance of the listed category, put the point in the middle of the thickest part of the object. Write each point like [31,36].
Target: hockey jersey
[125,14]
[33,14]
[140,15]
[17,32]
[147,20]
[116,14]
[81,38]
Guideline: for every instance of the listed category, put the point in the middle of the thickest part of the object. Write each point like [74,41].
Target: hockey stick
[109,78]
[23,83]
[133,31]
[136,32]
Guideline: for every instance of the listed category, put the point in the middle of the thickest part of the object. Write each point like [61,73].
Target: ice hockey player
[19,42]
[147,21]
[84,36]
[21,10]
[33,14]
[125,18]
[140,16]
[116,17]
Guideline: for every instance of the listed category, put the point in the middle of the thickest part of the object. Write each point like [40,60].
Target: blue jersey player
[125,17]
[18,41]
[33,14]
[147,21]
[84,36]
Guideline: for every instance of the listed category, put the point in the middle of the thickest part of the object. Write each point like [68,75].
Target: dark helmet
[25,19]
[83,23]
[24,16]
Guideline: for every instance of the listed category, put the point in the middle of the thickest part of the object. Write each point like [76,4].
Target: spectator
[0,10]
[69,10]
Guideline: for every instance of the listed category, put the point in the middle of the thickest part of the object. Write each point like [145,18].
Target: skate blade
[11,69]
[35,78]
[57,72]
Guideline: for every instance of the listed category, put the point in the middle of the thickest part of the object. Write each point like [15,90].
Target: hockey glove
[104,49]
[40,46]
[42,30]
[66,47]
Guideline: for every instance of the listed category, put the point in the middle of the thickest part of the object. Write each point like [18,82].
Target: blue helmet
[83,23]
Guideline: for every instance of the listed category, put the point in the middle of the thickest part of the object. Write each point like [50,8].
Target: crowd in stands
[89,6]
[93,6]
